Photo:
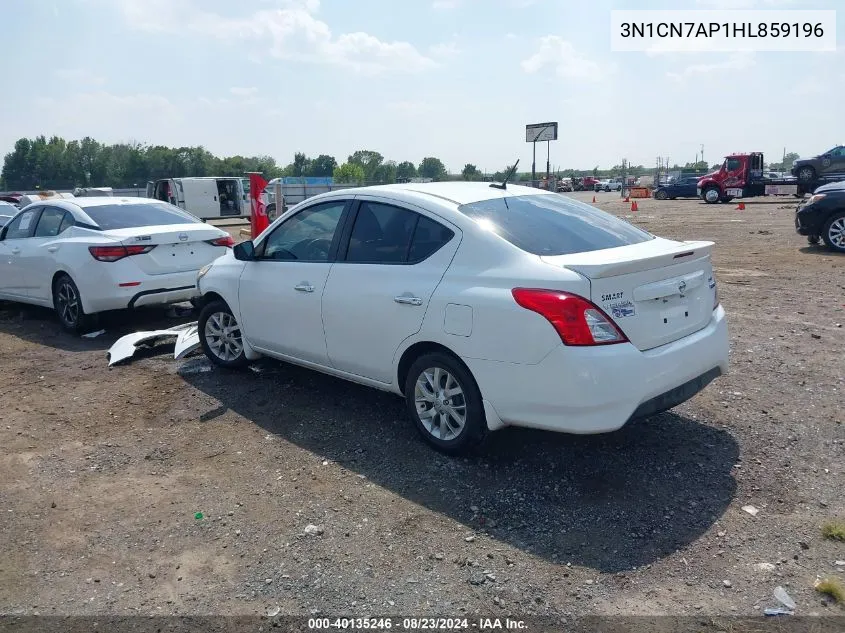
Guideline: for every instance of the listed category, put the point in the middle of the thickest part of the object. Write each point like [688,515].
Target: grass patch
[832,587]
[834,530]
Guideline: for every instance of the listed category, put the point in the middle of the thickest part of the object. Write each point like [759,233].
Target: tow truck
[742,176]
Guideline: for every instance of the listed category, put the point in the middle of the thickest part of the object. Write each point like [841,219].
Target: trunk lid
[178,247]
[656,291]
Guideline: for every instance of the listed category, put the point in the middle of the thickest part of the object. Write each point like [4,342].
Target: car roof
[456,192]
[72,204]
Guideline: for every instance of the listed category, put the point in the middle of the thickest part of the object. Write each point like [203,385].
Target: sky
[455,79]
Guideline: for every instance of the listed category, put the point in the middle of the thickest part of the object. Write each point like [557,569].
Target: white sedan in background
[484,307]
[87,255]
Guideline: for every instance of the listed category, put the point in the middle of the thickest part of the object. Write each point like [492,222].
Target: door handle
[52,249]
[413,301]
[304,287]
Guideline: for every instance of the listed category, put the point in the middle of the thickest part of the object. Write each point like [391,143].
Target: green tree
[470,172]
[405,171]
[786,163]
[433,168]
[300,164]
[386,173]
[322,166]
[349,173]
[369,161]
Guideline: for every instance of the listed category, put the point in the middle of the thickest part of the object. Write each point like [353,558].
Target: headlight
[202,272]
[815,198]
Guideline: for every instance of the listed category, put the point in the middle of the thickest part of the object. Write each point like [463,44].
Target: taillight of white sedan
[82,256]
[482,306]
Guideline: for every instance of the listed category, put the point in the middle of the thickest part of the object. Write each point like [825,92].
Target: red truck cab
[739,176]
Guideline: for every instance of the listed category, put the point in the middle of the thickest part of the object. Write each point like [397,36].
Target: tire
[270,210]
[834,232]
[806,174]
[661,195]
[711,195]
[449,373]
[813,240]
[68,305]
[725,199]
[226,350]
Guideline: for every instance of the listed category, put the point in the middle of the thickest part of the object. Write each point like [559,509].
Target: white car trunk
[656,291]
[178,247]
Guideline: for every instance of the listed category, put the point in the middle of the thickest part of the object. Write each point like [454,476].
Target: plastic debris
[777,611]
[198,516]
[93,334]
[272,613]
[784,598]
[751,510]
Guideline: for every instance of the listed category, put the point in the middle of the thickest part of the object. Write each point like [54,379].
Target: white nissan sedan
[483,307]
[87,255]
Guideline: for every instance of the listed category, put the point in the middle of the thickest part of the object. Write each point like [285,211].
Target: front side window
[23,225]
[553,224]
[307,236]
[733,164]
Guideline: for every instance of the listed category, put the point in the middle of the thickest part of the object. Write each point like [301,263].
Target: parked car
[88,255]
[7,210]
[822,217]
[682,188]
[483,307]
[608,185]
[829,163]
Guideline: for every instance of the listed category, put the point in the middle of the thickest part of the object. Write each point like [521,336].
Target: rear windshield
[552,224]
[126,216]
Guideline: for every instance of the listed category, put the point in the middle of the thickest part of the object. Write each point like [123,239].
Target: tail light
[114,253]
[576,320]
[228,241]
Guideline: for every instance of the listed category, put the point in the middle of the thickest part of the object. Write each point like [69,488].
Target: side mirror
[245,251]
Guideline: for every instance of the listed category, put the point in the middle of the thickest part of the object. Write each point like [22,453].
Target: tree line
[56,163]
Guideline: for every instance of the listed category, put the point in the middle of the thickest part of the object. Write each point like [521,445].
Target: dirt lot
[102,471]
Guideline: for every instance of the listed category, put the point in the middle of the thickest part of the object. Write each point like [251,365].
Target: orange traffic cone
[594,199]
[740,206]
[634,206]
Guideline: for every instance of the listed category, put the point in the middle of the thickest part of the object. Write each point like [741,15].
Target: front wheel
[711,195]
[445,403]
[834,233]
[806,174]
[220,336]
[68,304]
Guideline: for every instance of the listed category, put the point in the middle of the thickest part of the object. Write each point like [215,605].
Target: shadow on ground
[610,502]
[41,325]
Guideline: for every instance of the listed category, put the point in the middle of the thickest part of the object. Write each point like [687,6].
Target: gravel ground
[317,497]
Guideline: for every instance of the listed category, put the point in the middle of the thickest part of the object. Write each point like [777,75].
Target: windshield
[125,216]
[552,224]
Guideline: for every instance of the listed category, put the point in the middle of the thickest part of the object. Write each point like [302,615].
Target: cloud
[445,50]
[243,92]
[744,4]
[80,76]
[291,33]
[560,55]
[510,36]
[738,61]
[410,108]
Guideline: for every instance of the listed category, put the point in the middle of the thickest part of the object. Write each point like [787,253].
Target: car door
[281,289]
[13,277]
[39,252]
[688,188]
[379,289]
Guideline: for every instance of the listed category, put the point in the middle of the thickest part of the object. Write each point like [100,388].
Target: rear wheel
[68,304]
[661,195]
[445,403]
[806,174]
[834,232]
[220,336]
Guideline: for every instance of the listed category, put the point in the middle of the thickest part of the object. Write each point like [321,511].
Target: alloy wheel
[223,336]
[68,301]
[836,233]
[441,404]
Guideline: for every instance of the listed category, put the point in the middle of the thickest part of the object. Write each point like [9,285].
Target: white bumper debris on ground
[126,346]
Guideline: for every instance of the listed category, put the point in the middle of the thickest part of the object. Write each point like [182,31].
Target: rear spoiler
[612,262]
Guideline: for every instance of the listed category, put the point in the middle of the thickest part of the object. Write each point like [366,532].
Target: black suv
[823,216]
[830,163]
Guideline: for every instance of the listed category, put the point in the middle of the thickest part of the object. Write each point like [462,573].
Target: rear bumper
[104,292]
[598,390]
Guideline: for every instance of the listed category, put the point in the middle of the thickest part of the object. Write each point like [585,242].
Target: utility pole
[702,152]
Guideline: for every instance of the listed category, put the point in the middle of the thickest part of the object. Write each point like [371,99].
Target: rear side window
[126,216]
[381,234]
[49,225]
[429,236]
[552,224]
